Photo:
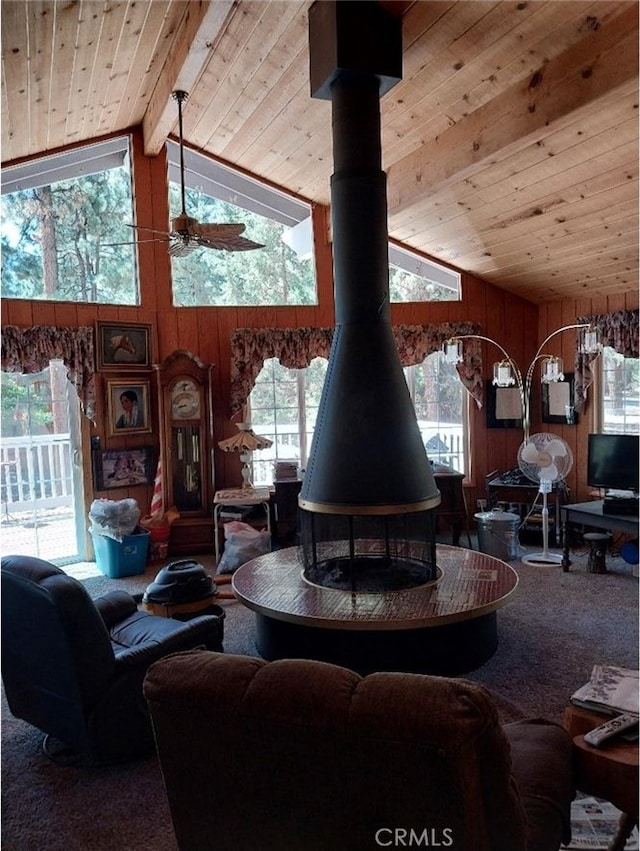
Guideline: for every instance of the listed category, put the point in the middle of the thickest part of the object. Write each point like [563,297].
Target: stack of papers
[610,690]
[286,470]
[594,824]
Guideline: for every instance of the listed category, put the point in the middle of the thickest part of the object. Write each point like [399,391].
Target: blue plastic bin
[121,558]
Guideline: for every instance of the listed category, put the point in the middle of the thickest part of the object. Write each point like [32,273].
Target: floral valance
[29,350]
[618,330]
[295,348]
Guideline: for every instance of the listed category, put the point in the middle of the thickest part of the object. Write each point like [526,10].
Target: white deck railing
[35,473]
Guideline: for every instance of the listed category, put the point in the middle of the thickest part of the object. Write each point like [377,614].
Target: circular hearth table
[445,627]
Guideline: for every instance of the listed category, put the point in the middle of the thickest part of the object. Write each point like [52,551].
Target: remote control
[609,729]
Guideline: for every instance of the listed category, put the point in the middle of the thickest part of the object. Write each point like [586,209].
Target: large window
[440,401]
[281,273]
[64,227]
[414,278]
[620,393]
[284,404]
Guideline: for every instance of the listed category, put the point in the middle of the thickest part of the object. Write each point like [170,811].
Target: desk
[591,514]
[239,496]
[609,772]
[506,488]
[453,507]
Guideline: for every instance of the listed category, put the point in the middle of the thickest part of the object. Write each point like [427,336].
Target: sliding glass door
[41,495]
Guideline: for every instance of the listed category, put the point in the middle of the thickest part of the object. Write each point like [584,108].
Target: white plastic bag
[242,543]
[114,518]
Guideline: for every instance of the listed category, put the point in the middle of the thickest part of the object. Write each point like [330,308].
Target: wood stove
[368,495]
[368,593]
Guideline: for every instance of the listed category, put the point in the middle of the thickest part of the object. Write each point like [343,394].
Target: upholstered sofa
[309,756]
[73,667]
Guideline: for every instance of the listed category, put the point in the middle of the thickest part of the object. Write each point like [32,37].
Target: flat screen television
[613,461]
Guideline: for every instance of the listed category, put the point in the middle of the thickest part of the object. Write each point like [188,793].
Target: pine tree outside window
[281,273]
[64,227]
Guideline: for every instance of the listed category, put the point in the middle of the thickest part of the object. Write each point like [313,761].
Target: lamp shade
[588,341]
[452,351]
[245,441]
[503,374]
[552,370]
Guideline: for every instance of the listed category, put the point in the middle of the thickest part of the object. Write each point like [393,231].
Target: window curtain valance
[29,350]
[295,348]
[619,331]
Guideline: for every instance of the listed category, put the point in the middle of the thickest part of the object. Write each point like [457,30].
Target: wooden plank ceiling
[511,144]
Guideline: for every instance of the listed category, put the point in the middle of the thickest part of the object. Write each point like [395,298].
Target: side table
[239,496]
[609,772]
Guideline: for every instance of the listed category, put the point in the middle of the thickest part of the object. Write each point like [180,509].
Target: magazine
[611,690]
[594,824]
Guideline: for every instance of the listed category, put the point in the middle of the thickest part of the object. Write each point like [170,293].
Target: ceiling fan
[187,233]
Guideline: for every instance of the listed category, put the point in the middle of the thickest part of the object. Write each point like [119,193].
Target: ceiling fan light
[503,374]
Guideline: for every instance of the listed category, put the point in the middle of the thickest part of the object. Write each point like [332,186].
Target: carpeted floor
[556,628]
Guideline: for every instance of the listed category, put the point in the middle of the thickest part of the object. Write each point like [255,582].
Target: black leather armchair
[73,667]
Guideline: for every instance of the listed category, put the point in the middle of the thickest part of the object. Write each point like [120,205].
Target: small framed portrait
[128,410]
[123,346]
[124,468]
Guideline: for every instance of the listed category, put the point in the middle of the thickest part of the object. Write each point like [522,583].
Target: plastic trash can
[498,534]
[121,558]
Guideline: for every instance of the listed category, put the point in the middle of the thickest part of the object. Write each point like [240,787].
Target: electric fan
[545,459]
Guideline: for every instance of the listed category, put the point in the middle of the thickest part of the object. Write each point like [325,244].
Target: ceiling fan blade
[214,230]
[137,242]
[232,243]
[151,230]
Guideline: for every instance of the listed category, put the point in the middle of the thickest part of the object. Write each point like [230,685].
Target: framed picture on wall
[124,468]
[128,409]
[558,402]
[123,345]
[504,406]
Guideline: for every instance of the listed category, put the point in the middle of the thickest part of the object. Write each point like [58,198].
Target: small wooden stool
[598,547]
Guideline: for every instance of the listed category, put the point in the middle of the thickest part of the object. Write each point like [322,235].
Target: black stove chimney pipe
[367,455]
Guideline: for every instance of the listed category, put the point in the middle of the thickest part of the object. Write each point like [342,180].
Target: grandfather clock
[187,441]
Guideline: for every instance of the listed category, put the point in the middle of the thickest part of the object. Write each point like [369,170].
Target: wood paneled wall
[517,324]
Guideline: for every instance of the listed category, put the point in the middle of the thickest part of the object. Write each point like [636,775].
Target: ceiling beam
[203,23]
[603,61]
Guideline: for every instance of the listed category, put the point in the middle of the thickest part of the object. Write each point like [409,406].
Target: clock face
[185,400]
